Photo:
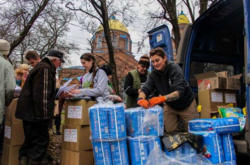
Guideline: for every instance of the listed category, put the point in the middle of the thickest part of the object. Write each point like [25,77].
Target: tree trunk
[106,29]
[27,28]
[203,6]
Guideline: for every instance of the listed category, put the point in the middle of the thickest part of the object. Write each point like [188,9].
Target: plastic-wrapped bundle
[102,153]
[220,126]
[99,122]
[117,125]
[212,148]
[119,152]
[138,150]
[228,147]
[134,120]
[153,141]
[145,122]
[177,153]
[154,121]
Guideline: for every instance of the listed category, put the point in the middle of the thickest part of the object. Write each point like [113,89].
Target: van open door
[247,65]
[160,37]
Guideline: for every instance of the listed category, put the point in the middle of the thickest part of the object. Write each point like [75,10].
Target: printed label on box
[230,98]
[7,132]
[216,97]
[75,112]
[70,135]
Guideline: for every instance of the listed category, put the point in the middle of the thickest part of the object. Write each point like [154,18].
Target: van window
[202,67]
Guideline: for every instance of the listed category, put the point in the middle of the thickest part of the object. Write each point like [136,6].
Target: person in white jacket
[94,82]
[7,84]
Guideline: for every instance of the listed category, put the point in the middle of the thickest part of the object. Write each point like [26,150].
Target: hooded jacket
[36,101]
[167,82]
[7,84]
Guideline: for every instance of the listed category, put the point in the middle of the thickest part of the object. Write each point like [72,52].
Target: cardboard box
[233,82]
[210,98]
[209,113]
[77,112]
[76,138]
[211,80]
[13,134]
[230,97]
[10,155]
[10,112]
[77,158]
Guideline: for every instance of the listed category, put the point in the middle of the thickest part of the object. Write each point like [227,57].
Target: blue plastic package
[134,121]
[153,141]
[188,149]
[212,148]
[138,150]
[119,152]
[148,122]
[233,162]
[98,117]
[176,153]
[219,125]
[228,147]
[102,153]
[117,125]
[155,122]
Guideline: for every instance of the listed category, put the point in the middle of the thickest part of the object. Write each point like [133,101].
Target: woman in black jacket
[175,92]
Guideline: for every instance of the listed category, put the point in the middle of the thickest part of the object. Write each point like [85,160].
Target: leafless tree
[24,32]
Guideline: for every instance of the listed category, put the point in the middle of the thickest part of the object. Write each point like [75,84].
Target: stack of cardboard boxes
[216,89]
[13,136]
[76,143]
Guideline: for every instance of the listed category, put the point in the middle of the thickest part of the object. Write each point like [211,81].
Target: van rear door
[160,37]
[247,53]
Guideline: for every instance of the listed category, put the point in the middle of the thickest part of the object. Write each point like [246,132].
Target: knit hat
[4,47]
[144,60]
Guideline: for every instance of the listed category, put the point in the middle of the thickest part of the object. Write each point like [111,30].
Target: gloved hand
[157,100]
[144,103]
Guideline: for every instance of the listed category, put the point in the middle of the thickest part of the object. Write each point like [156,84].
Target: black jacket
[169,81]
[36,101]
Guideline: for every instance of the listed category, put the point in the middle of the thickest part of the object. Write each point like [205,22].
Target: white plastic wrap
[149,122]
[158,157]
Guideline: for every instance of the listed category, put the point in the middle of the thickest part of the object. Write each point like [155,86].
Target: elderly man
[7,84]
[134,81]
[36,108]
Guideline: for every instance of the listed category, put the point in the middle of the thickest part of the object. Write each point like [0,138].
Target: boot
[32,162]
[23,160]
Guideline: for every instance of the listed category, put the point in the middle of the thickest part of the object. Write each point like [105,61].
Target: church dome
[115,24]
[182,18]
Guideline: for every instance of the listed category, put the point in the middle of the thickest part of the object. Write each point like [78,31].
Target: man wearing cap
[36,108]
[7,84]
[135,80]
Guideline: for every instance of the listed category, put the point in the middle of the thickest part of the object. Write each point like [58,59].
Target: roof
[182,18]
[115,24]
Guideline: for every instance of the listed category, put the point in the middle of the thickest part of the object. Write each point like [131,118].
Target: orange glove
[144,103]
[157,100]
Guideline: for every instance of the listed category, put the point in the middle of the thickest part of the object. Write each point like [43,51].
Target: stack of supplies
[108,134]
[144,126]
[76,145]
[218,144]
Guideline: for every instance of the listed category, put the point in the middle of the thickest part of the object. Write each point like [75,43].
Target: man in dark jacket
[36,108]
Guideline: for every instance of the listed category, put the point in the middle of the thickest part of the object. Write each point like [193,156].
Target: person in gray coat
[7,84]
